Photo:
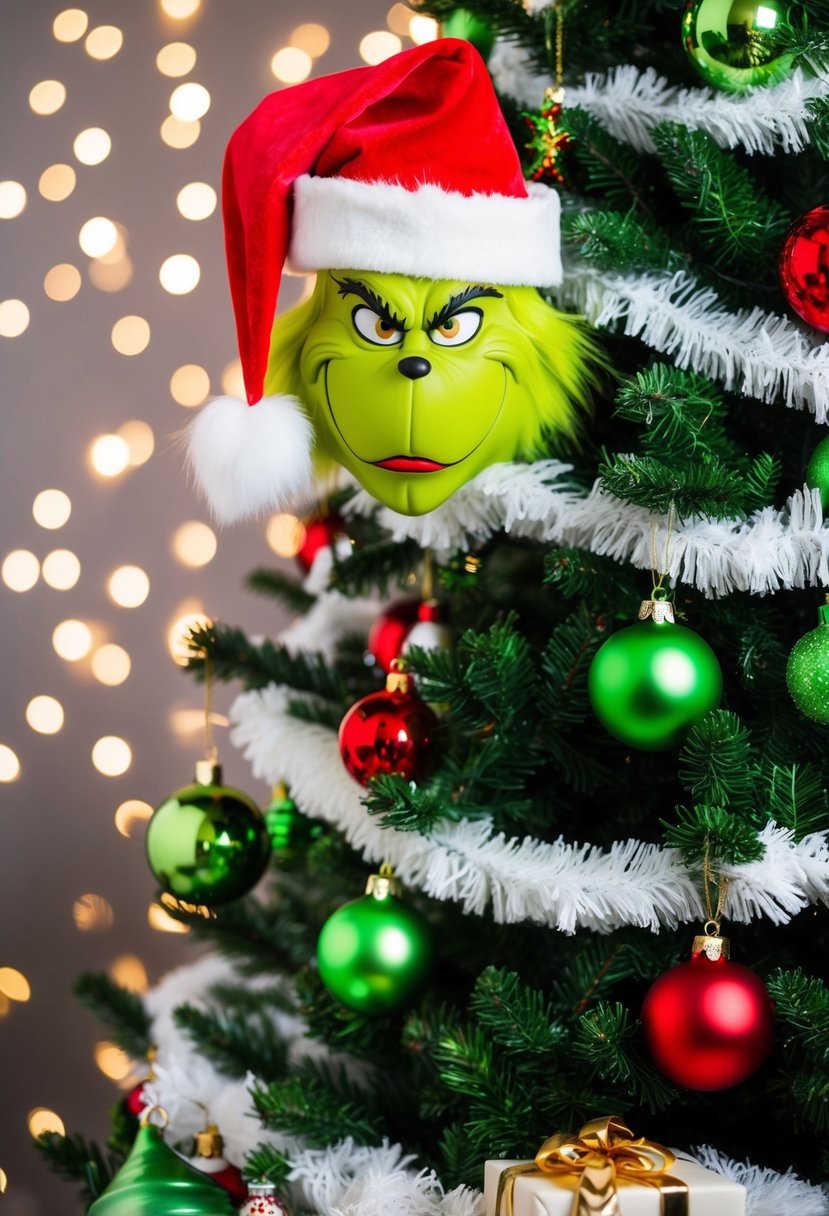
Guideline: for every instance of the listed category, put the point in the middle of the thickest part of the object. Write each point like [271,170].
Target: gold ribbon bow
[603,1152]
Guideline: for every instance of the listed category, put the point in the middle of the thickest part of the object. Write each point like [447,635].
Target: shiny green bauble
[817,472]
[375,954]
[207,844]
[807,671]
[651,682]
[154,1181]
[291,833]
[733,44]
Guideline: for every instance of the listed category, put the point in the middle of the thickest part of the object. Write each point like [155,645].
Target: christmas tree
[555,798]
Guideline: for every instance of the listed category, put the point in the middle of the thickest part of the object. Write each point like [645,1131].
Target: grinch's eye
[374,328]
[458,328]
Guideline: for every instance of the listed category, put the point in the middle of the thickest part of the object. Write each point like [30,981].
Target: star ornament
[548,141]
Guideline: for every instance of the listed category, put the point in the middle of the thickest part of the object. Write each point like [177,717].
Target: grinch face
[414,385]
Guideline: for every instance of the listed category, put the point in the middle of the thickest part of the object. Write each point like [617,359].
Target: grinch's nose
[414,367]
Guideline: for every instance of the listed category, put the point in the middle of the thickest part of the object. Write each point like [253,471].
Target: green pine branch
[716,831]
[797,796]
[279,586]
[121,1011]
[321,1104]
[578,574]
[607,1041]
[343,1029]
[737,223]
[381,566]
[704,488]
[261,938]
[78,1160]
[269,1163]
[519,1018]
[620,241]
[716,763]
[233,656]
[610,169]
[236,1041]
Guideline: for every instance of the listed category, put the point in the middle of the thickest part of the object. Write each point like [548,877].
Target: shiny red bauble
[709,1024]
[804,267]
[135,1101]
[388,732]
[388,633]
[322,533]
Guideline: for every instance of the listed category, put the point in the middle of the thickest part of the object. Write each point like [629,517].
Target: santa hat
[406,167]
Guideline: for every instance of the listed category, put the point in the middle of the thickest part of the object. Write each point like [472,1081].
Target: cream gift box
[709,1194]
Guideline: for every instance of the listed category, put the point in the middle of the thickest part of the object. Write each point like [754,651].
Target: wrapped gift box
[553,1195]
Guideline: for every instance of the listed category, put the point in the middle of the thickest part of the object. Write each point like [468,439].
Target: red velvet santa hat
[405,167]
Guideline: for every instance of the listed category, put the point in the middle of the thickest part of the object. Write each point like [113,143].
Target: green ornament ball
[155,1181]
[651,682]
[375,953]
[463,24]
[291,833]
[817,471]
[207,843]
[733,44]
[807,671]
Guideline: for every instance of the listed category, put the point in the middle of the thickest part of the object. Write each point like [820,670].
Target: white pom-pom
[250,458]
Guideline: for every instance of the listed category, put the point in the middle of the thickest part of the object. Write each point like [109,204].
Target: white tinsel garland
[770,551]
[565,886]
[348,1179]
[629,102]
[751,351]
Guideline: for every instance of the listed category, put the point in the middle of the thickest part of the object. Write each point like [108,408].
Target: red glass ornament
[388,633]
[388,732]
[320,533]
[709,1023]
[804,267]
[225,1175]
[134,1100]
[430,631]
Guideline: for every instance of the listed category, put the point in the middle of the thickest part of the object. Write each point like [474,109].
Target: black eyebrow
[458,301]
[353,287]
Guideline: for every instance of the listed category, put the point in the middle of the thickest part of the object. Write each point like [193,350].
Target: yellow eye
[371,326]
[461,327]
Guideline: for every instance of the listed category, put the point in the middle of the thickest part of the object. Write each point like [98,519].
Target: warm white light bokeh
[176,59]
[97,236]
[45,715]
[128,586]
[285,534]
[378,46]
[92,145]
[14,318]
[189,385]
[12,199]
[47,97]
[62,282]
[233,380]
[180,10]
[42,1119]
[72,640]
[179,274]
[194,543]
[189,102]
[128,971]
[57,182]
[178,134]
[111,756]
[131,335]
[140,439]
[70,25]
[109,455]
[112,1061]
[51,508]
[61,569]
[92,912]
[398,18]
[110,664]
[20,570]
[423,29]
[189,617]
[130,815]
[312,38]
[9,764]
[104,42]
[290,65]
[159,918]
[14,985]
[196,201]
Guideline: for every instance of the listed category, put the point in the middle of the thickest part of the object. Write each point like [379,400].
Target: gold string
[559,49]
[709,879]
[660,571]
[210,749]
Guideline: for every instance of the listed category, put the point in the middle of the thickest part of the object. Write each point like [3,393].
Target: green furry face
[416,385]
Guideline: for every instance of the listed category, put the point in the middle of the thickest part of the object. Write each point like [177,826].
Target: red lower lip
[409,464]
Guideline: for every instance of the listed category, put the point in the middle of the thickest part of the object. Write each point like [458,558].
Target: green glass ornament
[291,833]
[154,1181]
[651,682]
[207,843]
[375,953]
[807,671]
[817,472]
[463,24]
[733,43]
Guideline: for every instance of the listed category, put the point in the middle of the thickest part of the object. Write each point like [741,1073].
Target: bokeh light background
[115,323]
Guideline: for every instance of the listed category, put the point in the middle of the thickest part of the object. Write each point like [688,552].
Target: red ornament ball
[389,632]
[388,732]
[804,268]
[323,533]
[134,1100]
[709,1024]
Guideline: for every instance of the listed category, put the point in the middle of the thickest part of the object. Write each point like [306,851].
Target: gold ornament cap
[209,1142]
[657,610]
[398,679]
[208,772]
[384,884]
[711,944]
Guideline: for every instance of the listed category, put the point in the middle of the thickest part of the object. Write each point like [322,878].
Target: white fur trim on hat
[430,232]
[250,458]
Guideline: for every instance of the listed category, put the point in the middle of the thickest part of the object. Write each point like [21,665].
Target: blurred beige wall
[62,384]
